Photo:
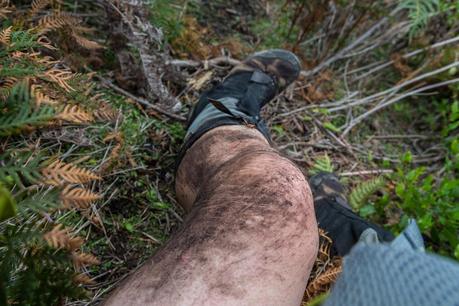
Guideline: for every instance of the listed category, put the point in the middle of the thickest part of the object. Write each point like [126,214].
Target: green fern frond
[22,40]
[364,190]
[419,13]
[11,124]
[43,201]
[322,164]
[25,116]
[17,71]
[21,171]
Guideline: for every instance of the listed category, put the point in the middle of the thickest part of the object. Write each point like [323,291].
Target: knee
[269,174]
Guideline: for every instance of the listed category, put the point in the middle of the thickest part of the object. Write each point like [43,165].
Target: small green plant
[165,15]
[364,190]
[322,164]
[429,198]
[279,34]
[419,13]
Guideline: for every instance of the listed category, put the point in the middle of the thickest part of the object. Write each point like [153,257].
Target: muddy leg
[250,237]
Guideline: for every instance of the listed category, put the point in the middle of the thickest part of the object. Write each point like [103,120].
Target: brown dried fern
[78,197]
[58,173]
[5,8]
[104,111]
[323,282]
[6,85]
[5,36]
[60,238]
[83,279]
[37,6]
[325,270]
[73,113]
[84,259]
[113,158]
[55,22]
[86,43]
[40,97]
[59,76]
[45,42]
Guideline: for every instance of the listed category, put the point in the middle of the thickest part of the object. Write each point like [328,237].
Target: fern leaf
[59,238]
[73,113]
[37,6]
[5,36]
[22,40]
[6,87]
[84,259]
[42,202]
[322,164]
[56,21]
[21,173]
[58,173]
[25,118]
[5,8]
[364,190]
[419,12]
[323,281]
[78,197]
[45,42]
[20,169]
[61,77]
[86,43]
[40,97]
[83,279]
[104,111]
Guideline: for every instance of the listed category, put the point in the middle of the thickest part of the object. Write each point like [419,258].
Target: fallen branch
[141,101]
[147,39]
[226,60]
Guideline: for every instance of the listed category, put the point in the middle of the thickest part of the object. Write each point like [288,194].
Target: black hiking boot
[240,97]
[335,216]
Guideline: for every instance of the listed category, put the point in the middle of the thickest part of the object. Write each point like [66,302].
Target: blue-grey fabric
[399,273]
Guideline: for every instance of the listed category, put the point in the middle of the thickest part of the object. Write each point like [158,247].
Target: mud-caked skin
[335,216]
[249,238]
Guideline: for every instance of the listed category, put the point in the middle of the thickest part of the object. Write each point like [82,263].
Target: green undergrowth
[428,194]
[86,175]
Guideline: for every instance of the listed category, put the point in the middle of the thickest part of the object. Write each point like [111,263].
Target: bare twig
[360,118]
[226,60]
[395,88]
[423,137]
[366,172]
[405,56]
[340,54]
[140,100]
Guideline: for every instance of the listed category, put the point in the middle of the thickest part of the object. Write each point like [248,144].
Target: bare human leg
[250,237]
